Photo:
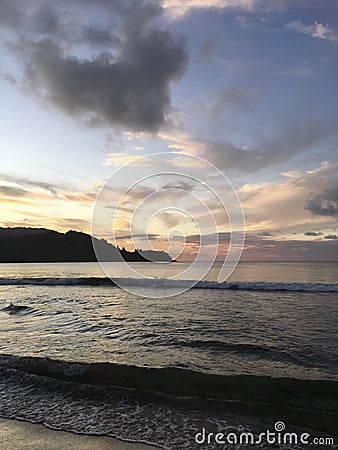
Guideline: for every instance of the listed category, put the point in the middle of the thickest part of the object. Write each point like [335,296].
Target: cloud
[120,159]
[279,205]
[45,20]
[257,248]
[313,233]
[331,236]
[98,36]
[302,70]
[80,197]
[179,184]
[265,233]
[222,154]
[132,91]
[140,236]
[316,30]
[207,239]
[177,9]
[70,223]
[9,14]
[169,219]
[236,98]
[289,250]
[242,22]
[208,48]
[20,181]
[325,204]
[124,82]
[292,139]
[10,191]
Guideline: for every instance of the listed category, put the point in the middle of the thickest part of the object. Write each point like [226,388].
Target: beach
[18,435]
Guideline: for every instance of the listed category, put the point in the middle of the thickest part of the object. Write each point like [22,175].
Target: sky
[242,93]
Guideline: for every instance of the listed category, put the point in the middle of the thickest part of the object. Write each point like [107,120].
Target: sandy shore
[17,435]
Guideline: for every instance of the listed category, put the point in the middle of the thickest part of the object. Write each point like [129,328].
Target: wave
[165,407]
[81,281]
[17,309]
[21,310]
[173,381]
[163,283]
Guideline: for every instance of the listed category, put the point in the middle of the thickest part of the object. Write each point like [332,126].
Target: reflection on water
[279,334]
[308,272]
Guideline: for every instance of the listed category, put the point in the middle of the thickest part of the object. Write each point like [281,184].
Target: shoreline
[18,435]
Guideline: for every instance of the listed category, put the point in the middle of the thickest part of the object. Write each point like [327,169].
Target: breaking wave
[160,406]
[163,283]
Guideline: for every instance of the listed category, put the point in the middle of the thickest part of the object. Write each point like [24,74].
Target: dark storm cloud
[132,91]
[45,20]
[325,204]
[35,17]
[98,36]
[126,82]
[9,14]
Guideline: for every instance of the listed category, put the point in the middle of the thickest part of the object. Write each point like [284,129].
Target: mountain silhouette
[20,245]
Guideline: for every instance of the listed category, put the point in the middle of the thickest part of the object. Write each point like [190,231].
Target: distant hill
[43,245]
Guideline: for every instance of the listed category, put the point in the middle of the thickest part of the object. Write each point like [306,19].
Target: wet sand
[17,435]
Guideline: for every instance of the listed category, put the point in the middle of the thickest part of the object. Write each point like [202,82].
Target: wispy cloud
[120,159]
[290,140]
[22,181]
[11,191]
[237,98]
[301,70]
[209,47]
[316,30]
[178,9]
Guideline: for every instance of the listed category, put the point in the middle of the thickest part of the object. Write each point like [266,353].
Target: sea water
[81,354]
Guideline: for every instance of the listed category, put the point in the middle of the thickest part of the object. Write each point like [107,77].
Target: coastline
[17,434]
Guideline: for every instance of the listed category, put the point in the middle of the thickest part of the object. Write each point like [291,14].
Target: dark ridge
[21,245]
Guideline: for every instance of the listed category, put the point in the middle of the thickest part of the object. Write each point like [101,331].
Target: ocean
[79,353]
